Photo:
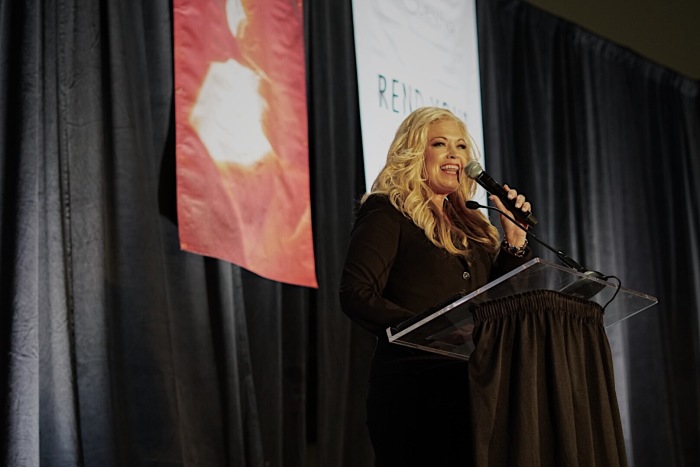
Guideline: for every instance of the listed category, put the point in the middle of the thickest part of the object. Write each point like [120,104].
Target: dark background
[663,31]
[117,348]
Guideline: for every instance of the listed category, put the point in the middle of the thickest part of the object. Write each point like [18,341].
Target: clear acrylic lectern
[448,330]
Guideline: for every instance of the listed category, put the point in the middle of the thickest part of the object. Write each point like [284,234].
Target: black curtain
[117,348]
[606,145]
[341,351]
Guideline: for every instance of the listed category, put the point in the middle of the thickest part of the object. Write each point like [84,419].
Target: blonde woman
[415,244]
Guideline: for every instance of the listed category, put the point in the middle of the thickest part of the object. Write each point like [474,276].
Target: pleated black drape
[607,147]
[541,384]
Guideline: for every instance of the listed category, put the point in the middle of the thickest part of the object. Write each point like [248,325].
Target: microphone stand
[585,289]
[560,254]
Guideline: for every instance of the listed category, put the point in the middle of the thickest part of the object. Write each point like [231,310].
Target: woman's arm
[371,252]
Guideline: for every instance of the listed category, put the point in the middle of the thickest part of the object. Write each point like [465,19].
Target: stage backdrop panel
[414,53]
[242,139]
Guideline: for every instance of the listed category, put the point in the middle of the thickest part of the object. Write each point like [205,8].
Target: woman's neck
[439,202]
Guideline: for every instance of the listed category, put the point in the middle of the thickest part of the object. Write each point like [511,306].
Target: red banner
[242,140]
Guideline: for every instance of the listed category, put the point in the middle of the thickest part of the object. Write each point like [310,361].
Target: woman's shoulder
[377,200]
[378,204]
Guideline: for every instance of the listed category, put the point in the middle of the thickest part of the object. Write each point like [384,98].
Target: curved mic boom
[584,288]
[560,254]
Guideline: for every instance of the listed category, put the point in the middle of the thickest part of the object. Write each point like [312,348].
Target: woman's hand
[513,234]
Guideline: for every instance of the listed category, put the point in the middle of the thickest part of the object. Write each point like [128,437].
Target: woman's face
[446,154]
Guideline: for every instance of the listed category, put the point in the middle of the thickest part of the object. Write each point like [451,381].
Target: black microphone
[477,173]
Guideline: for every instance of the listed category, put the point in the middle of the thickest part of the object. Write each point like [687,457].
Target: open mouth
[451,169]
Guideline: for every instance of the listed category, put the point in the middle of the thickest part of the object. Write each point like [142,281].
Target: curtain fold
[340,349]
[32,275]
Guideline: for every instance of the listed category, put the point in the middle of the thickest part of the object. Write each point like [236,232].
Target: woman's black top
[392,272]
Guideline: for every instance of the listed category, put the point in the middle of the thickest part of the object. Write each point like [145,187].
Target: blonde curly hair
[404,181]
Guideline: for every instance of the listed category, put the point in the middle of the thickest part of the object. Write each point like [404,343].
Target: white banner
[414,53]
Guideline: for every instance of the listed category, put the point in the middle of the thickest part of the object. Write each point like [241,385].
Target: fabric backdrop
[606,145]
[117,348]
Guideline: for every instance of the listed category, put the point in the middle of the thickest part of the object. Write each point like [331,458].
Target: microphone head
[473,169]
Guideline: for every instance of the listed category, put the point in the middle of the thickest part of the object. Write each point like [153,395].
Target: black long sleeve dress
[417,406]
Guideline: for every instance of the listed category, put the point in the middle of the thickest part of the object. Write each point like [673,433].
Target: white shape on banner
[228,113]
